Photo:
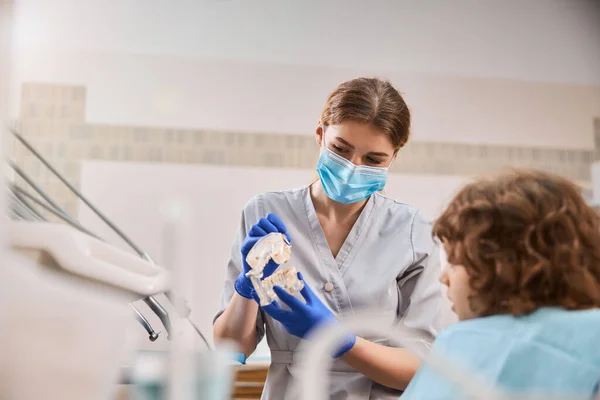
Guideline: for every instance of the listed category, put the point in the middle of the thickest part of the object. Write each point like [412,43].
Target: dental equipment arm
[155,306]
[21,199]
[152,336]
[162,314]
[53,208]
[59,213]
[29,147]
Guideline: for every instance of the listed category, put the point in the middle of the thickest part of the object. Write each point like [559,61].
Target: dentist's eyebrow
[378,154]
[344,142]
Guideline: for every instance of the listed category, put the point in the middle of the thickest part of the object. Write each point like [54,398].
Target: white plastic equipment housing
[88,257]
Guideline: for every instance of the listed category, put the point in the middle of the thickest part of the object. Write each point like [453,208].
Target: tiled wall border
[53,118]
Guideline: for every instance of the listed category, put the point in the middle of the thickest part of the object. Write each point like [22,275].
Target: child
[523,275]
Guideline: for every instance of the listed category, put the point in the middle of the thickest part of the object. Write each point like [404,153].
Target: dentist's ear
[393,158]
[319,134]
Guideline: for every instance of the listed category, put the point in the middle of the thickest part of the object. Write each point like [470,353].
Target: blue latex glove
[264,226]
[302,318]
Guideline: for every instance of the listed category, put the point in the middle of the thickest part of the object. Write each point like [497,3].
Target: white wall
[132,194]
[6,59]
[253,97]
[541,40]
[509,72]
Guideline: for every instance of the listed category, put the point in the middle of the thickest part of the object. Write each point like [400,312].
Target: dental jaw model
[274,247]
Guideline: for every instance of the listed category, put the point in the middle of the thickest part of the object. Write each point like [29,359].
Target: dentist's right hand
[270,224]
[304,318]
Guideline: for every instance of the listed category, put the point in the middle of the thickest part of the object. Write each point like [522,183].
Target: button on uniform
[328,287]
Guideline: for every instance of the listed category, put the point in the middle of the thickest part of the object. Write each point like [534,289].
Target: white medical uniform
[389,263]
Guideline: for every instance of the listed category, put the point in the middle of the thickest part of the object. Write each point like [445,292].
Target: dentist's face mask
[345,182]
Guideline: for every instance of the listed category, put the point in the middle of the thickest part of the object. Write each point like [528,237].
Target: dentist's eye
[338,148]
[374,161]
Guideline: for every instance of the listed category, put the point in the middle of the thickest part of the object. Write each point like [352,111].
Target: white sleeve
[427,310]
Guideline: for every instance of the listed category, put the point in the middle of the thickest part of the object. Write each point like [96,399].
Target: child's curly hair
[527,239]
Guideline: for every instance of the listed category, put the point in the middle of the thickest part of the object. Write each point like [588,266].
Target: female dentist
[355,247]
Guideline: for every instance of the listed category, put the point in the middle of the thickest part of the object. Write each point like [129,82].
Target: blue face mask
[345,182]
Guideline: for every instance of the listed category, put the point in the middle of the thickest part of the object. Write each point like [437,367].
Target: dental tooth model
[287,278]
[273,246]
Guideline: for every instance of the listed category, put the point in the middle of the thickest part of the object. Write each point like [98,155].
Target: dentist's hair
[527,239]
[372,101]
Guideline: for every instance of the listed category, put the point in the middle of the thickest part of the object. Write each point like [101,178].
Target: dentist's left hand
[270,224]
[302,318]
